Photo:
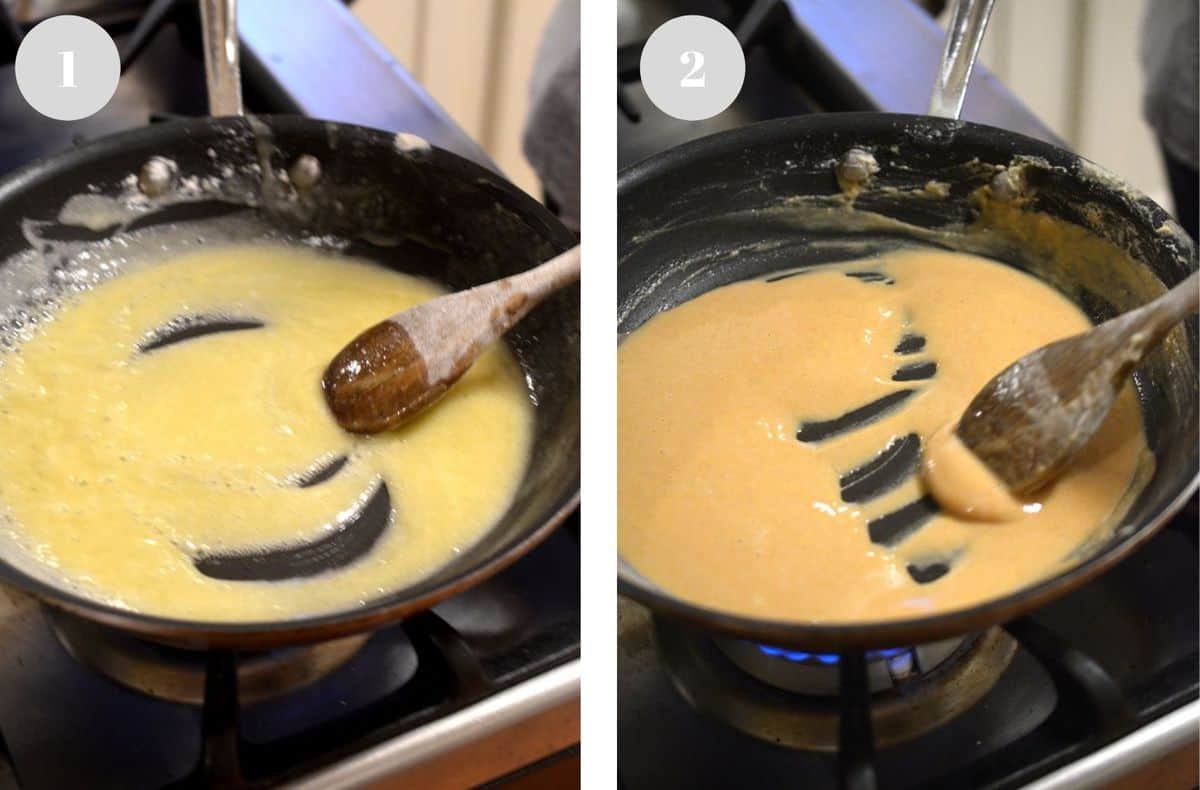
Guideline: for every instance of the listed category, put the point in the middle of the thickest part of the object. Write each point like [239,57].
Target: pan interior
[127,202]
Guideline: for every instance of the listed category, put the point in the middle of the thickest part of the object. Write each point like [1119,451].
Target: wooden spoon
[395,369]
[1031,420]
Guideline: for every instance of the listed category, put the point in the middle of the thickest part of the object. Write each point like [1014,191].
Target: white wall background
[474,57]
[1075,64]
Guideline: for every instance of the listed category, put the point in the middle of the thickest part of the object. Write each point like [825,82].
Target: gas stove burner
[817,673]
[784,697]
[177,675]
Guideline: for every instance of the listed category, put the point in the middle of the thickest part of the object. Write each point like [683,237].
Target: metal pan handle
[962,46]
[218,19]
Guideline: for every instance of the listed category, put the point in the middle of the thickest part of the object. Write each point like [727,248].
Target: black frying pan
[763,191]
[425,212]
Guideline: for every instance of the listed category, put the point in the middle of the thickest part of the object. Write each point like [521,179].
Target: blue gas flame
[828,659]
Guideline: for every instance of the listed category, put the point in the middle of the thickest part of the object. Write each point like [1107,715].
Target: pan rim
[877,634]
[384,610]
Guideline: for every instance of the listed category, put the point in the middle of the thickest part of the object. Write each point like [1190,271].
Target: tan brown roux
[117,467]
[719,503]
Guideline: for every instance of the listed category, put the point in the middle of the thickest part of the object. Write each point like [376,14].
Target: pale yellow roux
[720,504]
[116,467]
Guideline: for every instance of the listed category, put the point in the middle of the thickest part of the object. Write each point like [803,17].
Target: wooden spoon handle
[469,320]
[535,284]
[451,331]
[1177,303]
[541,281]
[1143,328]
[1122,343]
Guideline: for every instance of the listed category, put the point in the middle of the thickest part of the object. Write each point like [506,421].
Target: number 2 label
[695,77]
[68,69]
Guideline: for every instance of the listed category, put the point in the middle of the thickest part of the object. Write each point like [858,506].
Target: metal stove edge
[1122,757]
[532,720]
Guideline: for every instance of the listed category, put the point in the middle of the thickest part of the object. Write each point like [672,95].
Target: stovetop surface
[1138,621]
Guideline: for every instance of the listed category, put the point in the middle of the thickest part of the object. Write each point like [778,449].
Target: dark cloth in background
[551,139]
[1185,186]
[1170,54]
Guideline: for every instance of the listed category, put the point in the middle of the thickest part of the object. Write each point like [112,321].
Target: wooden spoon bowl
[397,368]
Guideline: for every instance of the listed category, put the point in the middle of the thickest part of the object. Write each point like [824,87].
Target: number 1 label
[68,69]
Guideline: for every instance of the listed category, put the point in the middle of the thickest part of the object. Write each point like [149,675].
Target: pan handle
[218,18]
[962,46]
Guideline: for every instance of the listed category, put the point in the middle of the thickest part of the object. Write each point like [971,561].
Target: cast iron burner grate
[257,742]
[720,678]
[91,731]
[448,677]
[180,675]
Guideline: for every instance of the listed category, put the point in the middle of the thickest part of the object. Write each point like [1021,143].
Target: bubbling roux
[771,431]
[170,421]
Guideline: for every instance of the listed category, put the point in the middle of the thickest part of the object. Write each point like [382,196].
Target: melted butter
[719,503]
[117,467]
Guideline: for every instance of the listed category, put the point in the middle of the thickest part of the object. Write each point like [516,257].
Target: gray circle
[692,67]
[67,67]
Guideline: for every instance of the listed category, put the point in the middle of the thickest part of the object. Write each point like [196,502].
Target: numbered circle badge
[692,67]
[67,67]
